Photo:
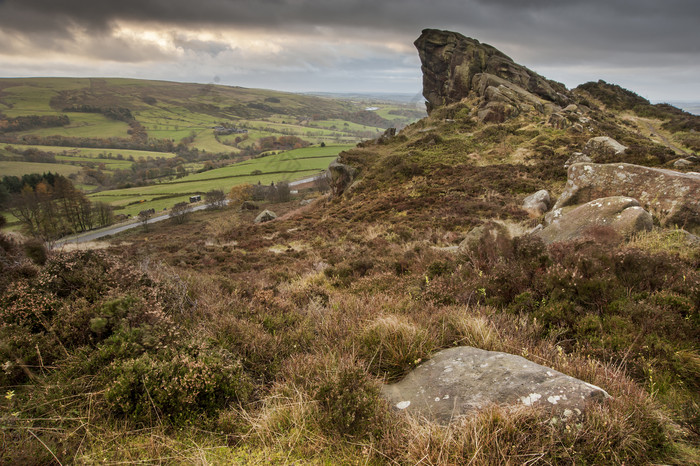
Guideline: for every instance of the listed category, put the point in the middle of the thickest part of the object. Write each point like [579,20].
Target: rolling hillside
[109,135]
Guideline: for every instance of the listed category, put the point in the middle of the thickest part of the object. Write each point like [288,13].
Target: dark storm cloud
[638,25]
[640,34]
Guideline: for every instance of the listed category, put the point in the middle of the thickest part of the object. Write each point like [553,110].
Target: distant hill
[173,110]
[688,106]
[112,133]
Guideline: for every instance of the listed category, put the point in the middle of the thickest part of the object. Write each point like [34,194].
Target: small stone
[682,163]
[603,145]
[403,404]
[265,216]
[537,204]
[577,157]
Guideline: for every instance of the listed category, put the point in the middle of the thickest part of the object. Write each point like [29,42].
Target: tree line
[25,123]
[49,206]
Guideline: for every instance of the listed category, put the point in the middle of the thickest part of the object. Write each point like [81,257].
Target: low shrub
[175,385]
[393,345]
[350,403]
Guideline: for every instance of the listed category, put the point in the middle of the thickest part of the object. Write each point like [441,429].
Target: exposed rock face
[537,204]
[461,380]
[683,163]
[671,196]
[603,145]
[621,214]
[577,157]
[386,136]
[265,216]
[342,177]
[455,66]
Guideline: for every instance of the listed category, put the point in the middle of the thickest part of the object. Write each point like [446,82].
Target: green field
[25,168]
[291,165]
[184,114]
[84,125]
[84,152]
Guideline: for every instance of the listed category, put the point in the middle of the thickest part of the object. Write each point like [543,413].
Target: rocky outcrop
[386,136]
[265,216]
[673,197]
[537,204]
[623,215]
[603,146]
[455,67]
[461,380]
[577,157]
[342,177]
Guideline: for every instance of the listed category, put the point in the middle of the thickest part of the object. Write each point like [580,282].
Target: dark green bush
[35,250]
[175,385]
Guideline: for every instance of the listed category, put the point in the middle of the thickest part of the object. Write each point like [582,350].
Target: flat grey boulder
[603,145]
[621,214]
[538,203]
[683,163]
[265,216]
[672,196]
[462,380]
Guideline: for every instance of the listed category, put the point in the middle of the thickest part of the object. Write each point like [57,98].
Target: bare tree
[323,182]
[103,214]
[216,198]
[179,212]
[144,216]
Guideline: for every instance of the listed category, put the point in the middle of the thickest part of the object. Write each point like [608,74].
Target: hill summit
[455,67]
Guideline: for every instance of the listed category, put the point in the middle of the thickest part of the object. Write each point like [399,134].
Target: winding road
[113,230]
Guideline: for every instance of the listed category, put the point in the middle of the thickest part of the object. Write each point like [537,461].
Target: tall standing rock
[455,66]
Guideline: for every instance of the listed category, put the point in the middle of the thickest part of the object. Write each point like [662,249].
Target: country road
[113,230]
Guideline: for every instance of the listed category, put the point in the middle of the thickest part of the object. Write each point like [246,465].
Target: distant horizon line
[689,101]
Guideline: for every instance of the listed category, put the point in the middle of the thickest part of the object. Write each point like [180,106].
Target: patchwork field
[23,168]
[152,138]
[285,166]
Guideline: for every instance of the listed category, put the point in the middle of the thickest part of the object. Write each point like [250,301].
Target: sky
[651,47]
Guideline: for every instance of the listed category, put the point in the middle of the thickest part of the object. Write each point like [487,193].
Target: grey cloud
[211,48]
[548,33]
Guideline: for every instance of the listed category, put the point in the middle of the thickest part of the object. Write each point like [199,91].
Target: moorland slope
[221,340]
